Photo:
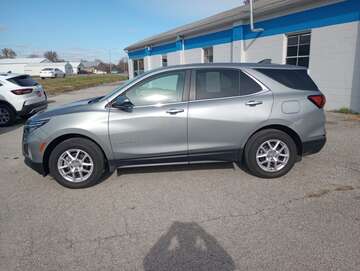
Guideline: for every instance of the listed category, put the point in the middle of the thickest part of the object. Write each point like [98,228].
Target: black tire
[10,115]
[257,140]
[85,145]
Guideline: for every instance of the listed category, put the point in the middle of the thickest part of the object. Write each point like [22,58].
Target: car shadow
[185,247]
[18,124]
[172,168]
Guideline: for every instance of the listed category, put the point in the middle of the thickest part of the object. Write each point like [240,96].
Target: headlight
[32,125]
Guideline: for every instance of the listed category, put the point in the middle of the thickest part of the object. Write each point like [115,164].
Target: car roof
[232,65]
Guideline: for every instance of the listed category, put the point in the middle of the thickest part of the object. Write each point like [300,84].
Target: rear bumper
[33,108]
[38,167]
[313,146]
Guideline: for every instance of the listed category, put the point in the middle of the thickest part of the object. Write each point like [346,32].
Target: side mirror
[123,103]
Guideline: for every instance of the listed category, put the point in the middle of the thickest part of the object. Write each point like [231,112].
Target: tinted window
[297,79]
[216,84]
[165,88]
[248,85]
[23,81]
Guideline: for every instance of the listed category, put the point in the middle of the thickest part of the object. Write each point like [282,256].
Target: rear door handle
[253,103]
[173,111]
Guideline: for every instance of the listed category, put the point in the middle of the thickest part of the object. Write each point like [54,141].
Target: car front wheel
[77,163]
[270,153]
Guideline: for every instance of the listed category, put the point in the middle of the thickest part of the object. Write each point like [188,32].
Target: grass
[345,110]
[70,83]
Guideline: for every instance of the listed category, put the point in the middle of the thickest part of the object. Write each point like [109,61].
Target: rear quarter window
[296,79]
[23,81]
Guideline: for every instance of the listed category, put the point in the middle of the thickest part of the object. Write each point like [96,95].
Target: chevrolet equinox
[264,116]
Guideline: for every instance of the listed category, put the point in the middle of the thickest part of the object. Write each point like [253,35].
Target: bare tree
[8,53]
[52,56]
[123,65]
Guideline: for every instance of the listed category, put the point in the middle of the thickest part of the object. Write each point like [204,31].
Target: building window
[208,55]
[138,67]
[164,61]
[298,49]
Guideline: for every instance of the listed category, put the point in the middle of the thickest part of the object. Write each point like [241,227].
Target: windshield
[122,85]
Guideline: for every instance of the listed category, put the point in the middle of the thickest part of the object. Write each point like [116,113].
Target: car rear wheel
[270,153]
[77,163]
[7,115]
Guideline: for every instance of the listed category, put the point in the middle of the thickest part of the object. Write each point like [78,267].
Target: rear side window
[212,84]
[247,85]
[23,81]
[297,79]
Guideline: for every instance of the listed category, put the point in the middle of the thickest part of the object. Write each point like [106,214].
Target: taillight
[318,100]
[22,91]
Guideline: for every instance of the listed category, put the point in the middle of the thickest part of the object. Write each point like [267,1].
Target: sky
[80,29]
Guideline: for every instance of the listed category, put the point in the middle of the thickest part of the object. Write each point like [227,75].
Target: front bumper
[38,167]
[314,146]
[31,109]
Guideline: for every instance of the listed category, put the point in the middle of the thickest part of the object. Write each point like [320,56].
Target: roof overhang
[263,9]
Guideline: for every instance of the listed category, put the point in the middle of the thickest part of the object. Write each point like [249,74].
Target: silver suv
[265,116]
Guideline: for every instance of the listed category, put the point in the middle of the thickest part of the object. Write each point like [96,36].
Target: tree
[8,53]
[52,56]
[122,66]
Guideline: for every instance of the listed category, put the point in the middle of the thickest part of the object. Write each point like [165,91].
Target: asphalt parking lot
[208,217]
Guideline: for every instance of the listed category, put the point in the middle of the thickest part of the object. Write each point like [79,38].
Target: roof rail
[265,61]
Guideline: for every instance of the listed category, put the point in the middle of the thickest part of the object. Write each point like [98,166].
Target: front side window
[211,84]
[208,55]
[298,49]
[166,88]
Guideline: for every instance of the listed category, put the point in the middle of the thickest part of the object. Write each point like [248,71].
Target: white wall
[131,68]
[14,68]
[156,61]
[174,58]
[237,51]
[332,64]
[193,56]
[147,63]
[255,50]
[222,52]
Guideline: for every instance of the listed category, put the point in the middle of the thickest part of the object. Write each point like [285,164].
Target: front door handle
[253,103]
[173,111]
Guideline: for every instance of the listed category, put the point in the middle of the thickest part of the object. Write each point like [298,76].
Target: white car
[20,95]
[51,73]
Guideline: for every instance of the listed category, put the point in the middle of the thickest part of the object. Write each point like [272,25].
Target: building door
[138,66]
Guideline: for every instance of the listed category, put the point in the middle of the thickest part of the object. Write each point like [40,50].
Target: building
[77,66]
[323,35]
[35,68]
[17,65]
[32,66]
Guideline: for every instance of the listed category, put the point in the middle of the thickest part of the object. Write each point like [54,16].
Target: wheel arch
[294,135]
[50,147]
[8,104]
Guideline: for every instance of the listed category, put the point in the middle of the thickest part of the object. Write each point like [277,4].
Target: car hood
[78,106]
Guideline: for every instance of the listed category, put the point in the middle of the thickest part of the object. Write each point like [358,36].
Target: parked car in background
[20,95]
[51,73]
[266,116]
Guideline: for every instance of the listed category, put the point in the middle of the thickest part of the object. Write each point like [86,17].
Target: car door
[225,105]
[155,130]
